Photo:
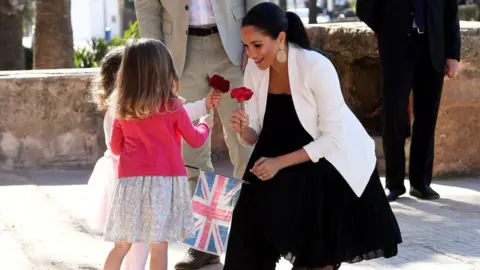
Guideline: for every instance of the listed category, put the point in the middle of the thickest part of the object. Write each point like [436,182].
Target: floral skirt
[150,209]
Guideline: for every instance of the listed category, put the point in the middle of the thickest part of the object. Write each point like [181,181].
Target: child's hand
[208,119]
[212,100]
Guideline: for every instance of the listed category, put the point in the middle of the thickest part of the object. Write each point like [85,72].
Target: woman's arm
[266,168]
[249,135]
[331,108]
[293,158]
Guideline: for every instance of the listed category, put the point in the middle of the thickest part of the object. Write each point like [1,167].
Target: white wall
[113,17]
[90,17]
[97,23]
[80,14]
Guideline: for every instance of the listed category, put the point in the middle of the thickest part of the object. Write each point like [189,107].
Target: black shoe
[426,194]
[195,260]
[393,194]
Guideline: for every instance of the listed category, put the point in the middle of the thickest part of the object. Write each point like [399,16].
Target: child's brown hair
[147,79]
[105,83]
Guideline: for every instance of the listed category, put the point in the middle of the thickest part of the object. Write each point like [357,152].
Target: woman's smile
[258,61]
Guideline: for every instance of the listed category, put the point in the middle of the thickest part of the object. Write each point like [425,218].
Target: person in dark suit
[419,43]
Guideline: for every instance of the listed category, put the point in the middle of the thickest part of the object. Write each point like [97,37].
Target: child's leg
[136,258]
[116,255]
[158,256]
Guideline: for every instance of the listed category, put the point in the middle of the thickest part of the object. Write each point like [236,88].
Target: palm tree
[477,15]
[53,35]
[12,54]
[312,11]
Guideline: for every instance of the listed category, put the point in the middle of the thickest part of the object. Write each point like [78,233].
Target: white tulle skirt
[99,189]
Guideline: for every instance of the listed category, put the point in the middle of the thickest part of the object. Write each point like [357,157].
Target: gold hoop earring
[281,55]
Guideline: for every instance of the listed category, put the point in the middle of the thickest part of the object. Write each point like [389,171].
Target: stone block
[48,120]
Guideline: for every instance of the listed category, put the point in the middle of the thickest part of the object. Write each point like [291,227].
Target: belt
[202,32]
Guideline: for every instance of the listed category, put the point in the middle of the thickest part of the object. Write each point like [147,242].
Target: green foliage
[131,33]
[97,48]
[92,55]
[353,4]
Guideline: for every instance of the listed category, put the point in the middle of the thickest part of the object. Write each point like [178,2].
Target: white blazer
[339,137]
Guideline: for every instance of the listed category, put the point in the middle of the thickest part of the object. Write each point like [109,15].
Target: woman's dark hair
[271,20]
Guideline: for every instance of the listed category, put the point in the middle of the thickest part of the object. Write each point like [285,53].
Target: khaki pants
[206,57]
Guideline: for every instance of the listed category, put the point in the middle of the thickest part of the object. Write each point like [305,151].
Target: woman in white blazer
[314,196]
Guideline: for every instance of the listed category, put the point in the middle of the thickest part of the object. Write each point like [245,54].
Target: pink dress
[102,180]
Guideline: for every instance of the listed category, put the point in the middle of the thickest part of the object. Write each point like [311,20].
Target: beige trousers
[206,57]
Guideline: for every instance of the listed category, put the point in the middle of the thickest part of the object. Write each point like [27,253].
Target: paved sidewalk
[42,226]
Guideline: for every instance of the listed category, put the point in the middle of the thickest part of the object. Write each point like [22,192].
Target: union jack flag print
[213,203]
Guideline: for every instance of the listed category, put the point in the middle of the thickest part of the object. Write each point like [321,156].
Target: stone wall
[47,120]
[353,49]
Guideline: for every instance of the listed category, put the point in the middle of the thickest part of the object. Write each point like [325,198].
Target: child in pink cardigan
[151,203]
[103,178]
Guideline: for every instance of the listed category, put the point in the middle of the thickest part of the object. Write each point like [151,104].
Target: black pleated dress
[307,213]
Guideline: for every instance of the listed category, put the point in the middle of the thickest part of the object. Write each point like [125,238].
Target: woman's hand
[239,121]
[266,168]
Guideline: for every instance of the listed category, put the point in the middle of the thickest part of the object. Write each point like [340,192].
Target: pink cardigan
[152,146]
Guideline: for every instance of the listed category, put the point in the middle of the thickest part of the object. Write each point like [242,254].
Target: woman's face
[260,47]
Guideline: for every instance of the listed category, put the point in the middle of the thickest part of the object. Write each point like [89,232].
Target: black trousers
[409,70]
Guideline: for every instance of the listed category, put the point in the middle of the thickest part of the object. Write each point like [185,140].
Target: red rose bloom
[219,83]
[241,94]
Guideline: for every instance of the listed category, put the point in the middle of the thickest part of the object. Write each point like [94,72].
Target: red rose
[241,94]
[219,83]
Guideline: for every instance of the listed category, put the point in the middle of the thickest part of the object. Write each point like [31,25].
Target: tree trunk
[477,15]
[53,35]
[283,4]
[12,55]
[312,11]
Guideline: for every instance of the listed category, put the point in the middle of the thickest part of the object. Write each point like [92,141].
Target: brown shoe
[195,260]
